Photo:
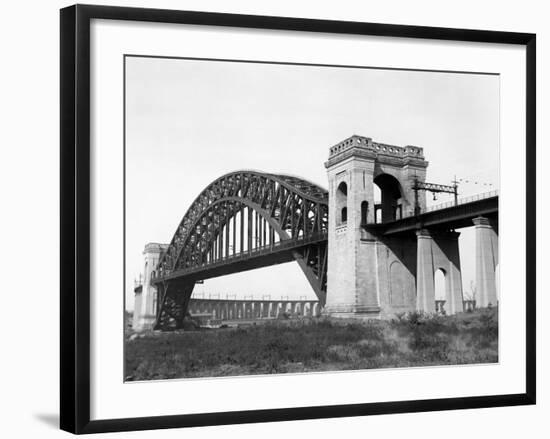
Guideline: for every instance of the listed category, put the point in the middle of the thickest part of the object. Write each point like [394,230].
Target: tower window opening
[342,202]
[364,212]
[344,217]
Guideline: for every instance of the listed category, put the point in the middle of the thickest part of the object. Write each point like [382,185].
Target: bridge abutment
[145,304]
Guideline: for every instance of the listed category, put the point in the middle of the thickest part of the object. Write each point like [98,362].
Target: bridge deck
[272,254]
[453,217]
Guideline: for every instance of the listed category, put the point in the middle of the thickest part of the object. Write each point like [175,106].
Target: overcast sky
[191,121]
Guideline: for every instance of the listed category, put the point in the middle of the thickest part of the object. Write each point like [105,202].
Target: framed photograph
[275,218]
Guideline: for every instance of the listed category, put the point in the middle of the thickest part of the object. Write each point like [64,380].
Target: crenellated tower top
[364,146]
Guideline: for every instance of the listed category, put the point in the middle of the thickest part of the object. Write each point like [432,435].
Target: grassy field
[320,344]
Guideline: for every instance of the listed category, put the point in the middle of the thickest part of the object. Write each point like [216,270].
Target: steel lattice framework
[244,220]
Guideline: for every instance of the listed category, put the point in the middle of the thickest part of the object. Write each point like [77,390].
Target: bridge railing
[463,200]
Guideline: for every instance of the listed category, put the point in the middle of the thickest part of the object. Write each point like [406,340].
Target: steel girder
[173,300]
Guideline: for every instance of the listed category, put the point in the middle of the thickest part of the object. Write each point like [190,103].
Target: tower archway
[342,202]
[390,206]
[440,290]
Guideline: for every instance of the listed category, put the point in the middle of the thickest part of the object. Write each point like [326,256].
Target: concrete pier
[486,262]
[438,251]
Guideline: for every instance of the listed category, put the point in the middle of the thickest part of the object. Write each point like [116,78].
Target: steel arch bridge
[241,221]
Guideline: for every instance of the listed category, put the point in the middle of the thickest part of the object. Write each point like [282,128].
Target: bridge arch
[230,208]
[293,206]
[255,207]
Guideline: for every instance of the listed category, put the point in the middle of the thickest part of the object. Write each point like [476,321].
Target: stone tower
[369,275]
[145,301]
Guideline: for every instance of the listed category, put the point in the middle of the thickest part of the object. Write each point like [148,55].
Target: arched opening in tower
[364,212]
[388,206]
[440,288]
[342,203]
[344,215]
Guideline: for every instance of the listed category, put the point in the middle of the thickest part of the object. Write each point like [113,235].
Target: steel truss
[243,214]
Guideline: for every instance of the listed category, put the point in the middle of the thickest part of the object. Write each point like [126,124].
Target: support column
[425,289]
[449,260]
[486,262]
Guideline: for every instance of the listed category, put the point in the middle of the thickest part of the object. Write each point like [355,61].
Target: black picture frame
[75,217]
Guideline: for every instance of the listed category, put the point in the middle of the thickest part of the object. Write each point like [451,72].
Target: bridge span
[362,257]
[447,216]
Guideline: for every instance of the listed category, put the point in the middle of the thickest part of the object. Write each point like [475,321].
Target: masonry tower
[369,275]
[145,302]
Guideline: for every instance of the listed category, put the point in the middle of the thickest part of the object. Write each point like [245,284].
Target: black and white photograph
[277,219]
[285,218]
